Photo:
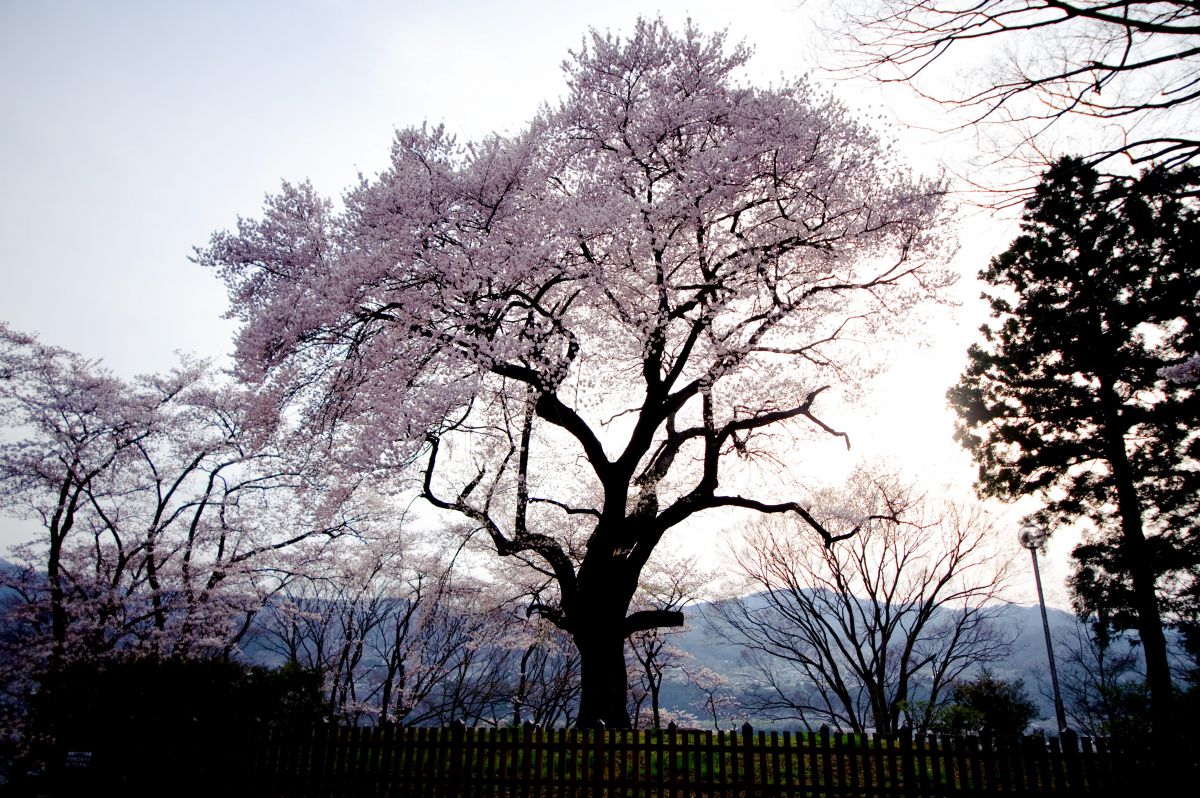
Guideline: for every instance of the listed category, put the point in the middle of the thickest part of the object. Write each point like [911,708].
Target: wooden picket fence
[678,763]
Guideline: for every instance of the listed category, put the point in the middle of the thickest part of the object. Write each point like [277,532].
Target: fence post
[974,757]
[925,768]
[351,759]
[457,770]
[1070,752]
[791,754]
[745,774]
[826,755]
[526,755]
[987,751]
[856,772]
[317,776]
[670,765]
[1058,764]
[908,768]
[600,762]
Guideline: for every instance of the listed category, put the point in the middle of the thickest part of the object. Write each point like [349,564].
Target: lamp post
[1032,537]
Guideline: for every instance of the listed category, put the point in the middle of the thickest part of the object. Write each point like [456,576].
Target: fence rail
[674,763]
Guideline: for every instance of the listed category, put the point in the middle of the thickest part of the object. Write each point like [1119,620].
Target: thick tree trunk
[603,679]
[1149,620]
[1163,723]
[1154,645]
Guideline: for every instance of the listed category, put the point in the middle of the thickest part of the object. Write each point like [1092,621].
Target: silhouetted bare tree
[1131,69]
[878,625]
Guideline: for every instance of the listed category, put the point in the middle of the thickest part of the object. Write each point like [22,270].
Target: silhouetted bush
[987,705]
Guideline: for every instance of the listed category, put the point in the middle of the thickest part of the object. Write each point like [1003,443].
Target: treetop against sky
[666,245]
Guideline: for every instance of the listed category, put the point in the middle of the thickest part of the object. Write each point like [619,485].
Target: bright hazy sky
[134,129]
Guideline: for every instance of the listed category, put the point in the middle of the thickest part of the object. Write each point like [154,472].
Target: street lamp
[1032,537]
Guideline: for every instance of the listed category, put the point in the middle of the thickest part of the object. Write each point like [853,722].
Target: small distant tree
[668,586]
[716,697]
[546,684]
[877,625]
[987,705]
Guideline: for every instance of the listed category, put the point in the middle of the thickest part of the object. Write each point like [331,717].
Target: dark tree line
[1064,399]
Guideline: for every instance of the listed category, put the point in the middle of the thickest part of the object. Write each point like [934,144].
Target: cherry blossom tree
[397,635]
[716,696]
[87,420]
[655,278]
[166,514]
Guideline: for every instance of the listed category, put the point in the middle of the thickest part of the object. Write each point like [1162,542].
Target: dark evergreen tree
[1064,402]
[987,705]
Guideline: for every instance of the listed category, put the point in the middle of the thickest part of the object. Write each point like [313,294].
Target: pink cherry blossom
[573,333]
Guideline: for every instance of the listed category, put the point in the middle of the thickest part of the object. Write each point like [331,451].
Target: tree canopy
[574,329]
[166,517]
[1064,401]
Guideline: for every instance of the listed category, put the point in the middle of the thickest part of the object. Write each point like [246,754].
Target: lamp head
[1032,536]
